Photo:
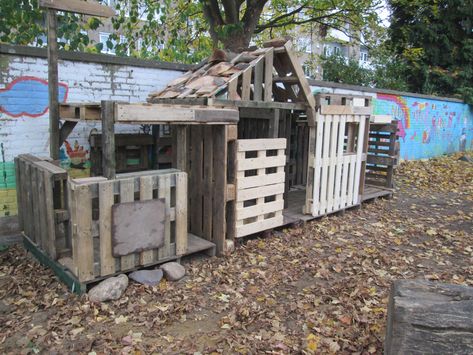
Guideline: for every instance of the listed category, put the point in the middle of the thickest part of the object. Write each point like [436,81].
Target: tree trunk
[236,43]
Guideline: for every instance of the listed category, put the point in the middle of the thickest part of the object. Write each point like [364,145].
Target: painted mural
[26,97]
[15,102]
[428,128]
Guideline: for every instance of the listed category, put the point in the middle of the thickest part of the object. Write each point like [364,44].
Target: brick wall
[24,102]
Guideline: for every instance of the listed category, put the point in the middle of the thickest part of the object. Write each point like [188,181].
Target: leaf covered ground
[318,288]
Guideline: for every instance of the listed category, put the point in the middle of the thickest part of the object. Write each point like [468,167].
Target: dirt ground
[318,288]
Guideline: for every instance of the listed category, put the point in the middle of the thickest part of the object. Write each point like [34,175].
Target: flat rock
[147,277]
[109,289]
[173,271]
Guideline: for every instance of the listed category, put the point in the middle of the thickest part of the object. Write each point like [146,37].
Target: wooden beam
[157,113]
[53,83]
[90,8]
[108,144]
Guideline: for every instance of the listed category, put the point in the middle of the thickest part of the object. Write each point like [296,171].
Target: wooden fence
[42,203]
[260,181]
[339,159]
[93,204]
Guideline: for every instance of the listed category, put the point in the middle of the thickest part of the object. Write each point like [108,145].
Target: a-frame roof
[270,74]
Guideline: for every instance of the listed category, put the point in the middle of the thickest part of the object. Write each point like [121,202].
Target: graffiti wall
[24,120]
[427,127]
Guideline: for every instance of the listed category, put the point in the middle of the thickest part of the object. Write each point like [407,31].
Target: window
[363,56]
[103,37]
[336,50]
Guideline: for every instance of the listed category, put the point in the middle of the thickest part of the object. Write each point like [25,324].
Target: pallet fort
[252,149]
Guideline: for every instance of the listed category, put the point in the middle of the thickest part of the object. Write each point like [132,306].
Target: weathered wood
[181,213]
[427,317]
[268,75]
[220,188]
[127,194]
[66,129]
[158,113]
[90,8]
[53,83]
[106,201]
[82,243]
[50,218]
[108,141]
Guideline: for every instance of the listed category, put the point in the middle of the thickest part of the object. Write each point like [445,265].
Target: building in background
[311,44]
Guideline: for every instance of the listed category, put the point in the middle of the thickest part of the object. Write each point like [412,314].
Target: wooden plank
[82,242]
[127,194]
[260,163]
[258,79]
[260,209]
[268,75]
[245,145]
[252,228]
[260,191]
[332,163]
[297,70]
[320,119]
[338,175]
[106,201]
[359,151]
[344,188]
[220,188]
[50,217]
[90,7]
[162,114]
[274,124]
[181,147]
[196,192]
[108,146]
[246,84]
[325,163]
[164,192]
[146,193]
[374,159]
[35,205]
[53,84]
[260,180]
[336,110]
[232,86]
[40,205]
[181,213]
[207,181]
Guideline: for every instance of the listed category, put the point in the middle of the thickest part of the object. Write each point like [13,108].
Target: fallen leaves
[318,288]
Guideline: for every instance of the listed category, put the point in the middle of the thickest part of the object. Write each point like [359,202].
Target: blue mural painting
[427,127]
[28,96]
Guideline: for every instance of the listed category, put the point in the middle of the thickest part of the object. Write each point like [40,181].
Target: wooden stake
[108,139]
[53,83]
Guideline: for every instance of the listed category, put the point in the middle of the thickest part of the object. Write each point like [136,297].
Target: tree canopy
[186,30]
[435,40]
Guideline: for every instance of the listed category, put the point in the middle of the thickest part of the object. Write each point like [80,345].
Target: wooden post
[181,147]
[108,139]
[53,83]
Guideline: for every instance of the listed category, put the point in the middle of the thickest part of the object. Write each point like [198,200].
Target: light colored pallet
[337,165]
[261,215]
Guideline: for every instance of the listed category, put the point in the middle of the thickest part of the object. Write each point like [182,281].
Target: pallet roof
[270,74]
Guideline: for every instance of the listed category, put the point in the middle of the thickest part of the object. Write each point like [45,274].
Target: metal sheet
[137,226]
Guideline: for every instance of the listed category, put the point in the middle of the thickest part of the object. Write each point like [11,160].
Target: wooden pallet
[91,202]
[337,163]
[383,154]
[259,185]
[42,202]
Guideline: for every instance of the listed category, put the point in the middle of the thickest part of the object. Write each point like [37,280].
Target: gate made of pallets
[42,203]
[338,143]
[260,181]
[93,229]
